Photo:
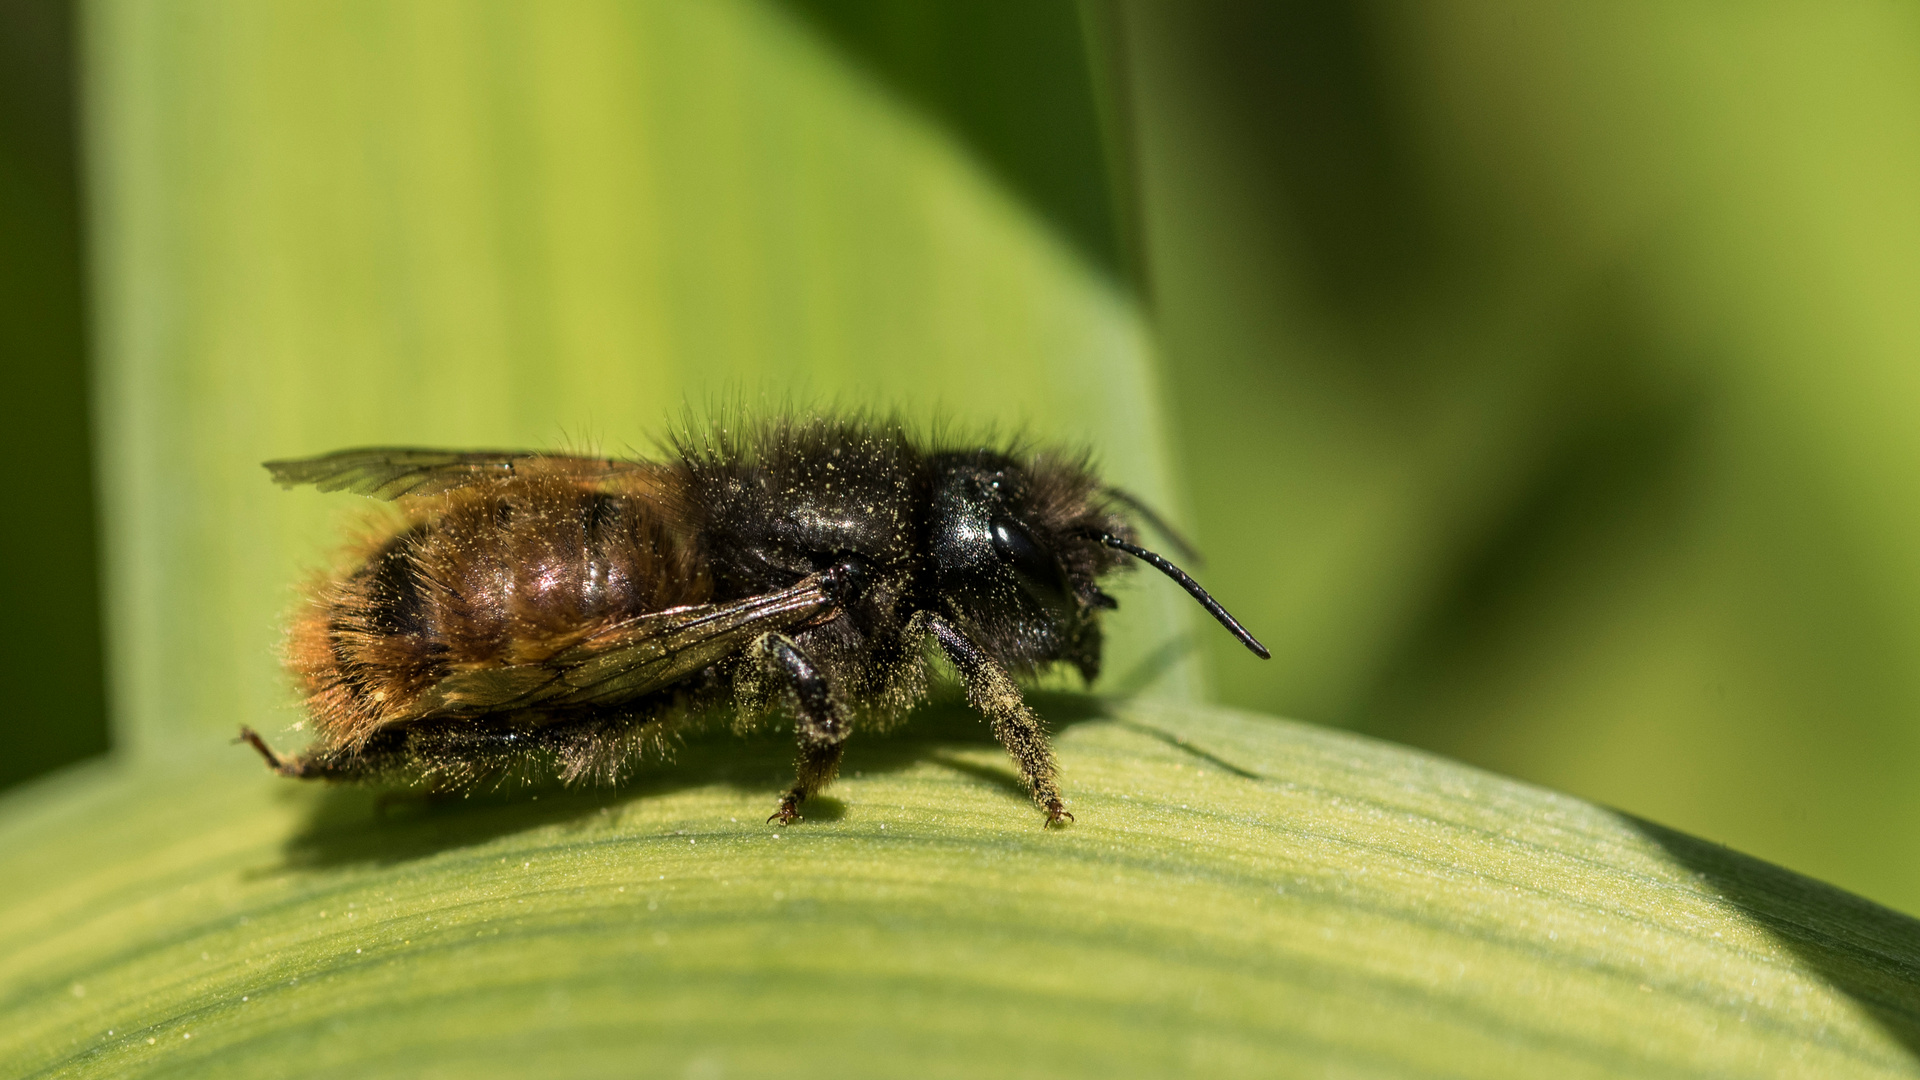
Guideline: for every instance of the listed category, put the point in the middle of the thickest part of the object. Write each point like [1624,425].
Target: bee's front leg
[821,721]
[1015,724]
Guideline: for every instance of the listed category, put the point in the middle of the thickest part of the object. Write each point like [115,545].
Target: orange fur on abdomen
[491,575]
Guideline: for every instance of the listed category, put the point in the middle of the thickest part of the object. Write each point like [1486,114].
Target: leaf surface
[1240,896]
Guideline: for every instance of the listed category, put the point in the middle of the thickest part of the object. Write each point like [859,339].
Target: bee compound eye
[1018,549]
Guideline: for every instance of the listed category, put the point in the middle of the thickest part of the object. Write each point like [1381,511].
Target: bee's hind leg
[298,766]
[291,765]
[821,725]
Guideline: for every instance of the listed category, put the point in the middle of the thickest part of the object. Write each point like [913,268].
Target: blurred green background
[55,709]
[1540,379]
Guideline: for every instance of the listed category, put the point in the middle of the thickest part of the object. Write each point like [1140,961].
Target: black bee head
[1009,563]
[1018,550]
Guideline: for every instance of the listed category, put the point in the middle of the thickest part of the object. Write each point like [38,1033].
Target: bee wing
[640,656]
[389,472]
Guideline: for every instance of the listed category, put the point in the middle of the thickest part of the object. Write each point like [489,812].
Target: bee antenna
[1193,589]
[1146,513]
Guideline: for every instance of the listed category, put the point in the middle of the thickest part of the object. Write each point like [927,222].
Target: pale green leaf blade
[529,225]
[1241,896]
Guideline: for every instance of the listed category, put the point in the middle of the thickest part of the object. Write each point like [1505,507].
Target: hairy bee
[551,612]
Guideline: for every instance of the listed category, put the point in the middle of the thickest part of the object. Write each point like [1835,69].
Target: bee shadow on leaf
[358,825]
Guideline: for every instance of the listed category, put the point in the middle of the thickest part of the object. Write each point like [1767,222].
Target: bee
[553,614]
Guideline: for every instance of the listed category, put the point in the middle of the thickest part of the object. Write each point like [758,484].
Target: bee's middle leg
[821,722]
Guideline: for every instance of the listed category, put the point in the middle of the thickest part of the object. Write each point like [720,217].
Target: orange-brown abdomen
[489,575]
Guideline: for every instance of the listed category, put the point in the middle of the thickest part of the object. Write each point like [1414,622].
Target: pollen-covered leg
[1018,728]
[821,724]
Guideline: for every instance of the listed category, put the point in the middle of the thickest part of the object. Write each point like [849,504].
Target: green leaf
[1240,896]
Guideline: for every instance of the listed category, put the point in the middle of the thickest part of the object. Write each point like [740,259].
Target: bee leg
[822,726]
[1015,724]
[291,765]
[299,766]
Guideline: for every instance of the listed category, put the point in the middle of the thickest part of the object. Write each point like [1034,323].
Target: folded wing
[390,472]
[643,655]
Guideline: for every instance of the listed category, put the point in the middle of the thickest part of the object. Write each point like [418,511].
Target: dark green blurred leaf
[55,710]
[1547,388]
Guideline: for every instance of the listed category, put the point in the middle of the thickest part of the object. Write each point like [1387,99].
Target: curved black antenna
[1193,589]
[1133,502]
